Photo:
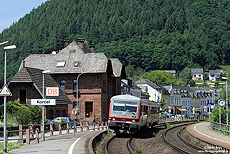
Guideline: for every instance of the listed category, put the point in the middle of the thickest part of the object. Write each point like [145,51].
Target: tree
[205,76]
[186,77]
[161,77]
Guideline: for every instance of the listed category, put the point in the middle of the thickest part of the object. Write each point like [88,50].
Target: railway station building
[99,78]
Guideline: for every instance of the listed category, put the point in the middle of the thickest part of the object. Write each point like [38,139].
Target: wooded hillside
[147,34]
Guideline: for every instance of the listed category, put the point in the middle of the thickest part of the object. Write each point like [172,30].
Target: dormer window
[60,64]
[76,64]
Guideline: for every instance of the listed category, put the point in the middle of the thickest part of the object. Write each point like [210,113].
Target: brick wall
[97,88]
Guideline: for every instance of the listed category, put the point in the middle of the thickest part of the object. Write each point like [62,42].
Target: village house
[197,73]
[213,75]
[74,69]
[152,89]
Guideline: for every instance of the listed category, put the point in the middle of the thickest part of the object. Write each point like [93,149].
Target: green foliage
[23,116]
[20,114]
[186,77]
[205,76]
[11,146]
[217,85]
[36,113]
[215,114]
[161,77]
[139,149]
[11,121]
[11,107]
[150,35]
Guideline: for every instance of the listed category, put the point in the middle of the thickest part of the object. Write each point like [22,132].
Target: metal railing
[223,128]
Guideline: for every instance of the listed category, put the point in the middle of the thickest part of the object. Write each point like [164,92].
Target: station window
[62,84]
[74,84]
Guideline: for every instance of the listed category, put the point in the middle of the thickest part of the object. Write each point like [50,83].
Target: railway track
[173,138]
[119,145]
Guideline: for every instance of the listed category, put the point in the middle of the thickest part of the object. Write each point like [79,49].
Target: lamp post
[5,121]
[226,98]
[43,107]
[77,92]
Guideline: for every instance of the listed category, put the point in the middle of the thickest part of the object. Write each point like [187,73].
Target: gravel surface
[171,135]
[150,141]
[118,145]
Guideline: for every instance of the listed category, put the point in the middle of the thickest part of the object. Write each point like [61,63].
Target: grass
[139,149]
[99,147]
[10,146]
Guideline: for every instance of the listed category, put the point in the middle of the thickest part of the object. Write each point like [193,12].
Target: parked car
[190,116]
[162,115]
[58,120]
[170,115]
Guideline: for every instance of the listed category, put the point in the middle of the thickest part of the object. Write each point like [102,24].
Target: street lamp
[77,91]
[5,48]
[226,98]
[43,107]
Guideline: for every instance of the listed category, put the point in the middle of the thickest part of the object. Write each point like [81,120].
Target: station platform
[204,132]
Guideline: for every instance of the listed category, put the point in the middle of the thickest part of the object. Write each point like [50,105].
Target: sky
[12,10]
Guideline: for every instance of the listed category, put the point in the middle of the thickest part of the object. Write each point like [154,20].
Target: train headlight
[113,119]
[109,118]
[133,120]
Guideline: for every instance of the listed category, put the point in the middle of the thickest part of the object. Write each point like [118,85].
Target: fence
[223,128]
[26,133]
[177,118]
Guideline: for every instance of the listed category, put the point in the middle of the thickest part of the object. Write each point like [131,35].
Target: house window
[89,109]
[22,96]
[74,84]
[199,75]
[62,84]
[194,75]
[58,113]
[51,114]
[63,113]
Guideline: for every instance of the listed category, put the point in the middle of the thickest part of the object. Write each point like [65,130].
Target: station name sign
[43,101]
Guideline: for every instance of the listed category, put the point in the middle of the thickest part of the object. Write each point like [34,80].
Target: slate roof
[215,72]
[197,71]
[171,71]
[72,54]
[35,76]
[146,81]
[117,66]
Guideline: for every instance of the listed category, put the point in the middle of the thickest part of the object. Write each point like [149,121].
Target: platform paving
[59,144]
[204,132]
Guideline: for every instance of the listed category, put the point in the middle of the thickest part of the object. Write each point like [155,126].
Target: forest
[143,34]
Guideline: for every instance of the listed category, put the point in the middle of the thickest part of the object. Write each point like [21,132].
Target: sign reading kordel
[43,101]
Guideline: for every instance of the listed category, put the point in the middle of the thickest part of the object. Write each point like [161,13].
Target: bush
[20,114]
[23,116]
[11,107]
[36,115]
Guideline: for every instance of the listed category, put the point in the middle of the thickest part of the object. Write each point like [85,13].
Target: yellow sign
[43,115]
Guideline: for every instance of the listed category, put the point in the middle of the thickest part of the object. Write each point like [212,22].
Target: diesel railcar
[129,113]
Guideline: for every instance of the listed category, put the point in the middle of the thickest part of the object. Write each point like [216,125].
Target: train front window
[125,106]
[119,106]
